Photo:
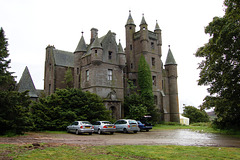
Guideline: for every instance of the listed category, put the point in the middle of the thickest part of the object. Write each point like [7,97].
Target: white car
[79,127]
[127,125]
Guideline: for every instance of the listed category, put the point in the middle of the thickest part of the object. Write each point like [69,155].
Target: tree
[145,84]
[195,115]
[220,69]
[14,106]
[68,78]
[134,107]
[6,80]
[64,106]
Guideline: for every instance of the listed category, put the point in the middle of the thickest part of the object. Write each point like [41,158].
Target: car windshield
[86,122]
[106,122]
[132,122]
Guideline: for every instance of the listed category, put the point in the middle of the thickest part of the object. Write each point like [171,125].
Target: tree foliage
[195,115]
[14,106]
[145,84]
[6,79]
[58,110]
[68,78]
[220,69]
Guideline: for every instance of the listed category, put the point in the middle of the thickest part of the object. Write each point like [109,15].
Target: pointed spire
[130,19]
[26,83]
[120,49]
[170,59]
[96,43]
[157,26]
[143,20]
[81,47]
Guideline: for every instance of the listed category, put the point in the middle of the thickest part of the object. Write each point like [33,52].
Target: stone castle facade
[104,68]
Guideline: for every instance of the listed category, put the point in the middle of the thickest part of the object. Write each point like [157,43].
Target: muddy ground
[161,137]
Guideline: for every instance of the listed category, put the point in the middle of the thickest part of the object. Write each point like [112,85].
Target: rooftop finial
[169,46]
[82,33]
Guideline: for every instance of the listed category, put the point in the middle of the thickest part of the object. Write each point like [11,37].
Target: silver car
[127,125]
[103,127]
[79,127]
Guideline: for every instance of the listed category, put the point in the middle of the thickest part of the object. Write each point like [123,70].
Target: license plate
[134,126]
[110,127]
[87,127]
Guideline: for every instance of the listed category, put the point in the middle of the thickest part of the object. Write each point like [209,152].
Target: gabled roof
[130,19]
[26,83]
[63,58]
[81,47]
[170,59]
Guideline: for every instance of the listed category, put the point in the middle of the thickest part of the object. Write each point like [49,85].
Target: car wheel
[125,130]
[134,131]
[99,131]
[111,132]
[77,132]
[90,133]
[68,131]
[147,130]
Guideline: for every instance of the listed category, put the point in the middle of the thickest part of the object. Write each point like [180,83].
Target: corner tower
[172,88]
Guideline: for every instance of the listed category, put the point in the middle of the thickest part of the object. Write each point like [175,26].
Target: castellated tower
[148,43]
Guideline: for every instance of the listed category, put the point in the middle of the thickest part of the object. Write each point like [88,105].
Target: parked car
[79,127]
[144,126]
[103,127]
[127,125]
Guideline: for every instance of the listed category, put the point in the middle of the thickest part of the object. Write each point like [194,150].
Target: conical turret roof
[157,26]
[26,83]
[130,19]
[120,49]
[96,43]
[143,20]
[170,59]
[81,47]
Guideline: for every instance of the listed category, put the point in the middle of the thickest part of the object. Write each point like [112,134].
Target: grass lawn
[117,152]
[199,127]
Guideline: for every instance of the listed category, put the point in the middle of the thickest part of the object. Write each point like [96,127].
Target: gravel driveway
[183,137]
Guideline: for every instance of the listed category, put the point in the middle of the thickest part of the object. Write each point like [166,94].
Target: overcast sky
[31,25]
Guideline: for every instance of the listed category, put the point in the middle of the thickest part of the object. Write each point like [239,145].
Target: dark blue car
[146,126]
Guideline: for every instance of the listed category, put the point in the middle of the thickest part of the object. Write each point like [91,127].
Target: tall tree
[220,68]
[145,84]
[6,80]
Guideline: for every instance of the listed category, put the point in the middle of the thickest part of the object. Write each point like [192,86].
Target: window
[109,55]
[87,75]
[131,66]
[153,61]
[95,51]
[109,77]
[130,28]
[152,45]
[155,99]
[77,70]
[154,80]
[130,47]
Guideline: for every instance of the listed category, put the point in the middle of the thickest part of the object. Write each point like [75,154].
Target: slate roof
[26,83]
[96,43]
[170,59]
[63,58]
[130,19]
[81,47]
[143,20]
[157,26]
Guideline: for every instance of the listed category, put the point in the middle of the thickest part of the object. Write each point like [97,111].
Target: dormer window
[109,55]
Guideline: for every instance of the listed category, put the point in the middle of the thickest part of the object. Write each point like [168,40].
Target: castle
[104,68]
